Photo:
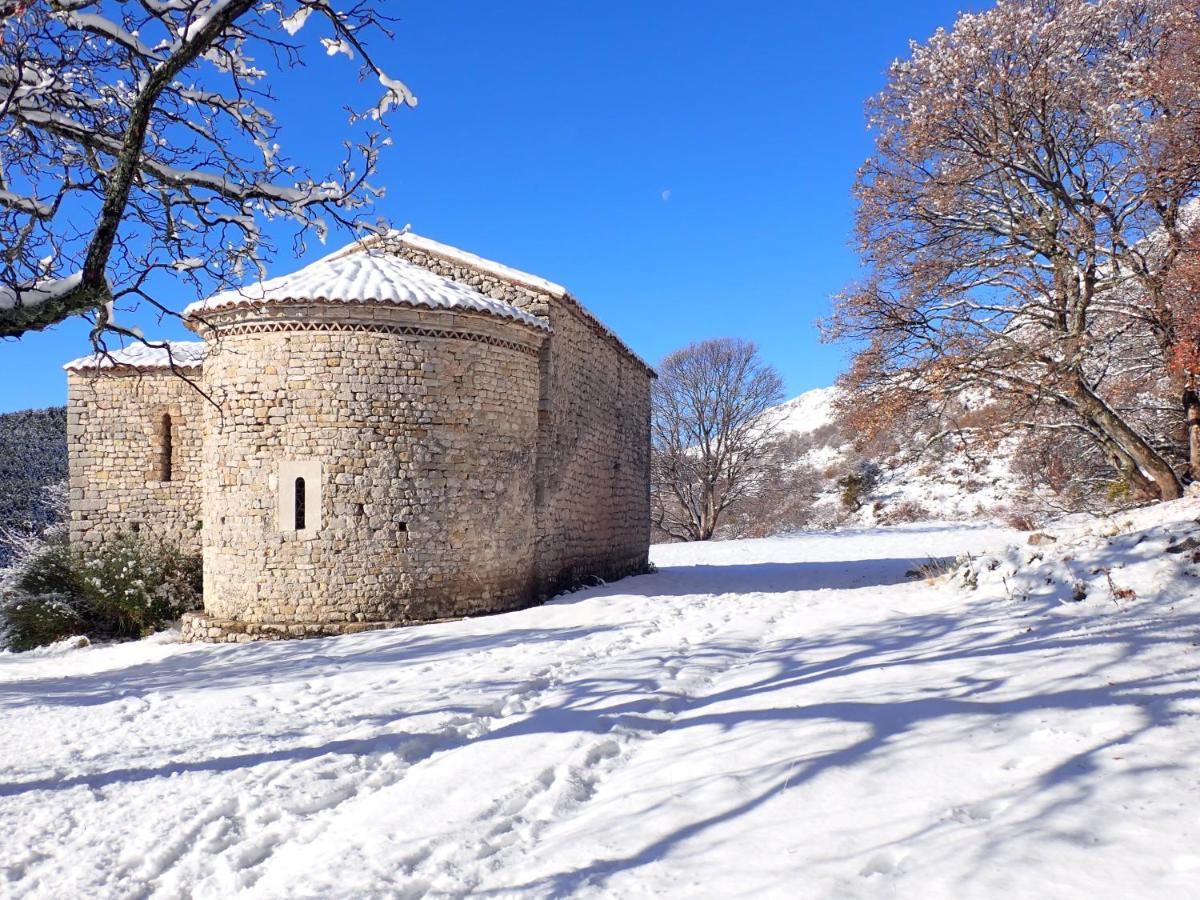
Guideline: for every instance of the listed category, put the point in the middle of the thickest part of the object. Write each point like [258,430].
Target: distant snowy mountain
[807,413]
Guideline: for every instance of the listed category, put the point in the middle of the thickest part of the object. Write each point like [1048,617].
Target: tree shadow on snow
[758,578]
[878,676]
[211,667]
[887,723]
[992,655]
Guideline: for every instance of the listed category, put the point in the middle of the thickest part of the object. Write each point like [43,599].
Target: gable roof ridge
[509,274]
[479,263]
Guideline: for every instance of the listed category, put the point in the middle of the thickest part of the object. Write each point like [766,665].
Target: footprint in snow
[974,813]
[602,751]
[133,707]
[886,863]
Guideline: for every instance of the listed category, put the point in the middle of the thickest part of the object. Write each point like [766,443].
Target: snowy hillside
[945,482]
[776,718]
[806,413]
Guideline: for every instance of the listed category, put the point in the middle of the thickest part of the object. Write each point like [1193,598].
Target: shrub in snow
[127,588]
[1019,520]
[856,485]
[783,506]
[935,568]
[905,512]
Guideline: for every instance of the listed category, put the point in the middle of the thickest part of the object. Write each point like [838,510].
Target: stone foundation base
[197,626]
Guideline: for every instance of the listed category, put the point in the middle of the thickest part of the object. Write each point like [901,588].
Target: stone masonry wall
[594,436]
[115,435]
[424,425]
[594,457]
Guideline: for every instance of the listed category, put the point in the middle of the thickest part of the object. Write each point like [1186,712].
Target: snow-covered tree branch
[139,138]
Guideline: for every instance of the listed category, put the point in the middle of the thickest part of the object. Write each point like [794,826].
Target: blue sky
[683,167]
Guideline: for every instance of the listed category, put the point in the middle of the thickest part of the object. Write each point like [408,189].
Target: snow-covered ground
[778,718]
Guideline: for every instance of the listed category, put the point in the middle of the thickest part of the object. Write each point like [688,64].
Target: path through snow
[789,717]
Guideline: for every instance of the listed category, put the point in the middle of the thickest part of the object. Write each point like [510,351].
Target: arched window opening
[165,447]
[300,498]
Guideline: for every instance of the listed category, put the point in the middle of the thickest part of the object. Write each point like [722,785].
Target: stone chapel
[400,432]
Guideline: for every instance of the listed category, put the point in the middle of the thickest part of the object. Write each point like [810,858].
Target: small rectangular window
[166,441]
[298,486]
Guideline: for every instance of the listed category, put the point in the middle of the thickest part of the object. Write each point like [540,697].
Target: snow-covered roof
[181,354]
[501,271]
[362,272]
[509,274]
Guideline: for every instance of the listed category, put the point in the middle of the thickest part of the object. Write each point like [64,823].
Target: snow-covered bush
[1019,519]
[856,485]
[784,506]
[125,589]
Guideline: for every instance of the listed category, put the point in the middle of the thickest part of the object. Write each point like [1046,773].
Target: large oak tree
[1023,217]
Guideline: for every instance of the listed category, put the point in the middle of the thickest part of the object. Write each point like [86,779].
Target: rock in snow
[788,717]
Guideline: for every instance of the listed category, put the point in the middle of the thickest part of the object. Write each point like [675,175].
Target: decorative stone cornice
[278,327]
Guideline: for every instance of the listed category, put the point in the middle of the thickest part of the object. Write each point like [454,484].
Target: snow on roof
[506,273]
[359,273]
[183,354]
[509,274]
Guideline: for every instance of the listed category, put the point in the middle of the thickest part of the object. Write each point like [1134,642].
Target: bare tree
[1021,215]
[711,444]
[138,138]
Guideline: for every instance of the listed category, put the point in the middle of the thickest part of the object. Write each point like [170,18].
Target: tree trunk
[1191,409]
[708,517]
[1148,461]
[1123,463]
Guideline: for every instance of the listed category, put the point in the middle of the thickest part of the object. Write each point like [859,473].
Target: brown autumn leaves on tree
[1183,303]
[1025,221]
[711,445]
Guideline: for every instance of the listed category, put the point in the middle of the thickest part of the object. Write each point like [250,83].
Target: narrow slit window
[165,447]
[300,500]
[298,497]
